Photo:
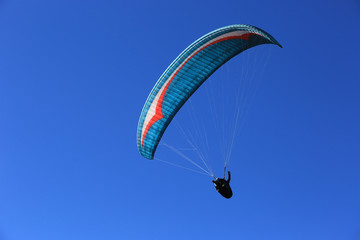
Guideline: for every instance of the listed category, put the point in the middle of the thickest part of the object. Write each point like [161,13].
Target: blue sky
[74,76]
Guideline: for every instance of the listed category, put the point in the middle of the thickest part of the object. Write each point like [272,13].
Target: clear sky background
[74,76]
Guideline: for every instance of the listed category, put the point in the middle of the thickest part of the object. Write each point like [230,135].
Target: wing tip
[265,34]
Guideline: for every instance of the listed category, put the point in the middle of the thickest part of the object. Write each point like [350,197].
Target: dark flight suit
[223,186]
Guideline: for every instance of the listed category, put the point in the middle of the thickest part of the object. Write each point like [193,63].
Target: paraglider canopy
[186,74]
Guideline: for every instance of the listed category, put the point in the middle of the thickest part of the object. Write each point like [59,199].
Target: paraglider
[222,186]
[186,74]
